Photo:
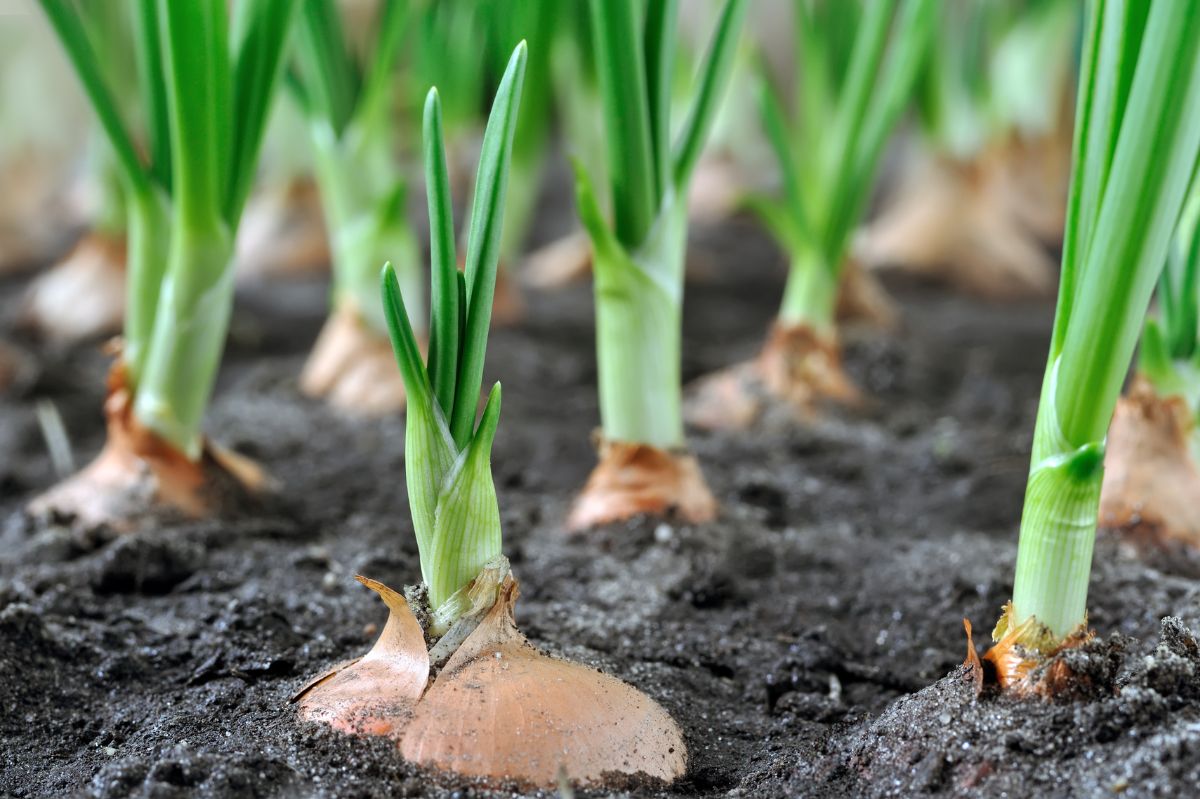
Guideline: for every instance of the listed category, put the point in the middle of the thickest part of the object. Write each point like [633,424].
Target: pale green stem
[148,243]
[810,296]
[189,335]
[1058,524]
[638,317]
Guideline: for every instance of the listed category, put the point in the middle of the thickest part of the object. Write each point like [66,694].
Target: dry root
[353,367]
[1151,480]
[498,709]
[283,233]
[82,296]
[137,474]
[635,479]
[957,222]
[798,369]
[1024,659]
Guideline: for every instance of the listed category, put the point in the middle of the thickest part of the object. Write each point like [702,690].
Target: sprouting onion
[348,104]
[467,692]
[447,455]
[638,260]
[829,151]
[857,65]
[205,87]
[350,123]
[1137,138]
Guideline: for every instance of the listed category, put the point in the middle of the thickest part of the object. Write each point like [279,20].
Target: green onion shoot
[444,692]
[638,259]
[857,68]
[1137,138]
[347,102]
[205,84]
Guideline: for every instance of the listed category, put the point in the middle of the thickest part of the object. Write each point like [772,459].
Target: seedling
[855,81]
[644,466]
[205,93]
[1137,138]
[477,699]
[362,187]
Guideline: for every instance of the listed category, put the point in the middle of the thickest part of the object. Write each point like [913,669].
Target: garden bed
[807,642]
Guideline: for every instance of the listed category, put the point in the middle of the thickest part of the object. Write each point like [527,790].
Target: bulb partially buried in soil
[1151,481]
[498,709]
[967,223]
[353,368]
[798,370]
[137,474]
[638,479]
[1024,659]
[82,296]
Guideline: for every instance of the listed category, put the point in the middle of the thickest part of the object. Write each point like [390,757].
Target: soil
[808,641]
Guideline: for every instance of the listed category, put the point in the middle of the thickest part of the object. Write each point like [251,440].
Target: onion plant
[639,258]
[571,719]
[1152,466]
[1137,138]
[857,66]
[986,182]
[347,101]
[205,87]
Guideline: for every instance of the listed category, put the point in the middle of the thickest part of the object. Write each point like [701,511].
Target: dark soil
[808,641]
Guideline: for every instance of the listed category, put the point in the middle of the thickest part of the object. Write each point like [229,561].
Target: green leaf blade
[483,246]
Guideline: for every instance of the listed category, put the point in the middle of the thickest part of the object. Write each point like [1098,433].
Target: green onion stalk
[984,189]
[447,452]
[1137,138]
[639,258]
[1152,467]
[205,84]
[857,67]
[82,296]
[362,189]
